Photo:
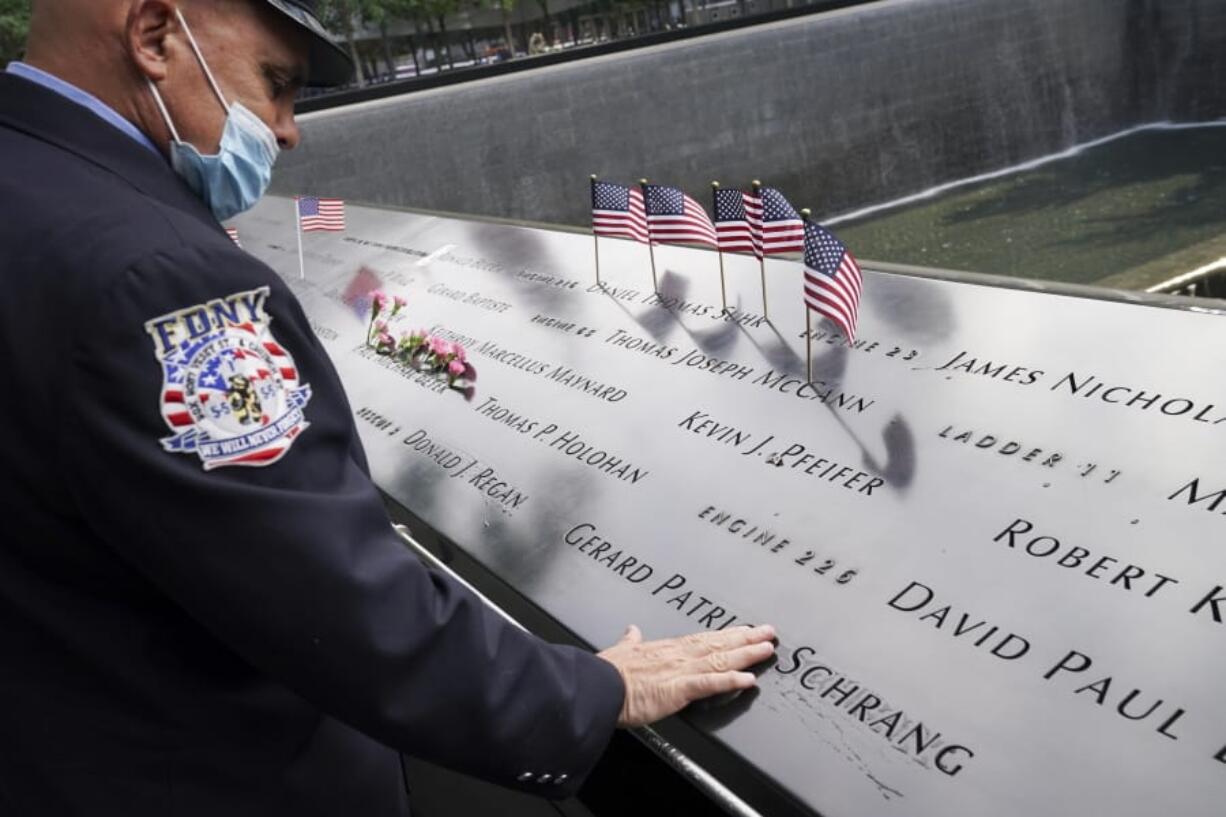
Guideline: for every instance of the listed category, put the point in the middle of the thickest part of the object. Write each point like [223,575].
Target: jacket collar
[45,115]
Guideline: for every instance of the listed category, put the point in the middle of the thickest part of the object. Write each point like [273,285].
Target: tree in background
[14,24]
[436,11]
[347,16]
[381,14]
[343,16]
[505,7]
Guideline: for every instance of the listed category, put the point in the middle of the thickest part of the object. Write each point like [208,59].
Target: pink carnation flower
[378,301]
[399,303]
[455,368]
[439,347]
[460,353]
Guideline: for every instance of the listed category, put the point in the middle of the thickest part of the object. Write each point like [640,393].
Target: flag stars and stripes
[776,208]
[833,280]
[729,205]
[753,214]
[665,201]
[783,230]
[674,217]
[607,196]
[737,221]
[315,213]
[617,211]
[763,222]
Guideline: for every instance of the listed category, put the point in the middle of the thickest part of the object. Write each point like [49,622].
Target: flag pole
[805,213]
[298,231]
[808,343]
[723,286]
[651,252]
[757,191]
[596,242]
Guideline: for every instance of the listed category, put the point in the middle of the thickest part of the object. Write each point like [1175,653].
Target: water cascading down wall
[841,110]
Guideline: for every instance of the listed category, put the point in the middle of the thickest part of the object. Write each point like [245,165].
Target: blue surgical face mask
[233,179]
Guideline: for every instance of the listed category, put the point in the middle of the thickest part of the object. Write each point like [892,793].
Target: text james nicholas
[1089,387]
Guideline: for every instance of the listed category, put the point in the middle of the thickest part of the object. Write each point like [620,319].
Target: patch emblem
[230,392]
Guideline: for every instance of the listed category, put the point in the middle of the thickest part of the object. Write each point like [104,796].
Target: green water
[1130,212]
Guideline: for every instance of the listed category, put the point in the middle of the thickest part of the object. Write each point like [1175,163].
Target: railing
[1207,282]
[1171,295]
[710,19]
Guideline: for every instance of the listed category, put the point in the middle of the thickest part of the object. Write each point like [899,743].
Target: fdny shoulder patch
[230,392]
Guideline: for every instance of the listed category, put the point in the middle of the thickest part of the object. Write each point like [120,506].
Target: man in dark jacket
[203,609]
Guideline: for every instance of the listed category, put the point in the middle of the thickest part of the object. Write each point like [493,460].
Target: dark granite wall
[840,110]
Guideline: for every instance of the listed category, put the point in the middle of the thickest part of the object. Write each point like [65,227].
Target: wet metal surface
[991,536]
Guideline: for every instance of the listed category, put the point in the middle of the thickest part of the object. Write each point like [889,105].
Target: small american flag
[315,213]
[783,230]
[738,221]
[673,217]
[359,292]
[617,211]
[233,233]
[832,278]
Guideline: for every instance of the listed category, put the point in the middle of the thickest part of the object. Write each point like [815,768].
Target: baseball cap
[329,64]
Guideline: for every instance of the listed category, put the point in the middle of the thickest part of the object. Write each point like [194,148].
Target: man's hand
[661,677]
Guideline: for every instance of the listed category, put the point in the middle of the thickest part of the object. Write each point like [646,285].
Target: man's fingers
[663,676]
[633,635]
[700,644]
[696,687]
[738,658]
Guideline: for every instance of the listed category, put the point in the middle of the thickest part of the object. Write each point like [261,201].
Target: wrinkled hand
[662,677]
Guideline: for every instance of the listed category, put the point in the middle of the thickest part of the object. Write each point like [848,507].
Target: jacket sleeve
[288,557]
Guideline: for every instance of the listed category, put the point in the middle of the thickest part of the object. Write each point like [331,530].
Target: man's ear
[147,33]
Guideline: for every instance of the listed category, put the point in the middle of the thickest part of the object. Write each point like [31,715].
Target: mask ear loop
[157,98]
[200,58]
